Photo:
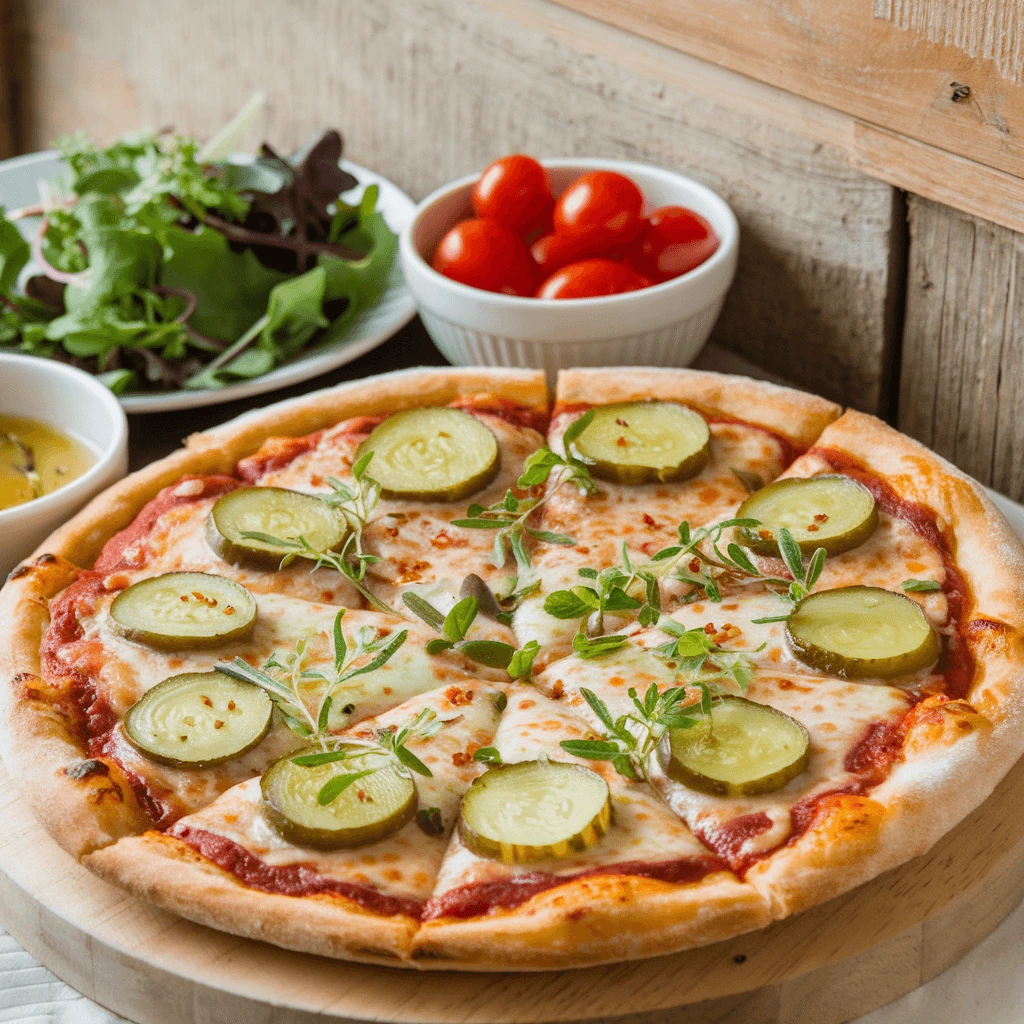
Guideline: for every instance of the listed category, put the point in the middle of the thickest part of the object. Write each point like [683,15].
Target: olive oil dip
[36,459]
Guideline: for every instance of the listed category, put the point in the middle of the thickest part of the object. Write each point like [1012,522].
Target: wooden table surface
[154,435]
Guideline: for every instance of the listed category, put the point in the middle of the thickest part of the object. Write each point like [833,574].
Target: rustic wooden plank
[426,91]
[837,53]
[961,383]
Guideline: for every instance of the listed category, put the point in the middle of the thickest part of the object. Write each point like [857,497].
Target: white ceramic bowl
[77,404]
[665,325]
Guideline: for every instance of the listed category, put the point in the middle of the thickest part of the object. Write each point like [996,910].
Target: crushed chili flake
[558,690]
[694,565]
[219,724]
[813,528]
[821,517]
[622,442]
[650,520]
[458,697]
[207,701]
[460,758]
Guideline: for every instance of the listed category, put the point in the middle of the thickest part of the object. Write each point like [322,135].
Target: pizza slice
[558,860]
[657,448]
[342,875]
[156,694]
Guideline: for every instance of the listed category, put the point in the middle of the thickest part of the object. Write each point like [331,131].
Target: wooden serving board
[826,966]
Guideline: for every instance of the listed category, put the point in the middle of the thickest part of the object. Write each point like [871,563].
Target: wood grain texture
[426,91]
[993,29]
[835,962]
[962,378]
[837,53]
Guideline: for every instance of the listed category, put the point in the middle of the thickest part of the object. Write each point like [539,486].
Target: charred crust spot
[113,791]
[575,915]
[46,559]
[87,769]
[22,570]
[740,958]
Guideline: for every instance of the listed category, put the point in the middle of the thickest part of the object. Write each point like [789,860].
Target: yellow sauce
[36,459]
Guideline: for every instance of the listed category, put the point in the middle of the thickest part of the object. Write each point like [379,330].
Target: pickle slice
[858,632]
[369,809]
[741,749]
[184,609]
[273,511]
[435,454]
[645,442]
[830,511]
[535,809]
[199,719]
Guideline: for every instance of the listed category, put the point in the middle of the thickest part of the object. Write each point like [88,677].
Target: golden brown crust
[84,803]
[165,871]
[796,415]
[595,920]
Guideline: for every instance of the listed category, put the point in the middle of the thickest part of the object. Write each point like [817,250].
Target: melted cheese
[643,827]
[415,540]
[403,864]
[177,543]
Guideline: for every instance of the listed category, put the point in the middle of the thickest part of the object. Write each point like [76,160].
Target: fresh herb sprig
[921,586]
[690,562]
[511,516]
[629,740]
[699,660]
[454,628]
[356,502]
[285,673]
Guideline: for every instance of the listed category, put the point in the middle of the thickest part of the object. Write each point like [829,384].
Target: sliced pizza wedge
[239,865]
[144,728]
[663,447]
[558,860]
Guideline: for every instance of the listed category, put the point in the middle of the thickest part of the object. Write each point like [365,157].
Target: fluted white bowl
[665,325]
[76,403]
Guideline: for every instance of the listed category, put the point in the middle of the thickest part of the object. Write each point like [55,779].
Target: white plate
[19,179]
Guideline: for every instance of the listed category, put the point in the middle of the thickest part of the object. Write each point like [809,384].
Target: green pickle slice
[745,749]
[276,512]
[830,511]
[184,610]
[532,810]
[199,719]
[645,442]
[434,454]
[370,809]
[860,632]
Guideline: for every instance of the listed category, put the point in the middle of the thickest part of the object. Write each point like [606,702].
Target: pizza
[434,670]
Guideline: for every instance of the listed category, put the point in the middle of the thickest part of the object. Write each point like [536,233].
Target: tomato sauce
[113,556]
[290,879]
[276,453]
[511,412]
[478,898]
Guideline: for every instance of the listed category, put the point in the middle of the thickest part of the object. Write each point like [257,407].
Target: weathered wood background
[833,291]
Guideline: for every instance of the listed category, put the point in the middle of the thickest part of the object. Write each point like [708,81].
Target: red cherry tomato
[672,241]
[487,255]
[515,192]
[599,210]
[552,252]
[587,279]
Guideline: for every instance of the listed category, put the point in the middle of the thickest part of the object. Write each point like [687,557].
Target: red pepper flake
[231,705]
[207,701]
[694,565]
[458,697]
[813,528]
[229,610]
[361,794]
[558,690]
[649,520]
[709,628]
[622,423]
[219,724]
[622,442]
[460,758]
[821,517]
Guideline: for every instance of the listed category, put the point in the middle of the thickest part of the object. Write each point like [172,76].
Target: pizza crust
[796,415]
[166,872]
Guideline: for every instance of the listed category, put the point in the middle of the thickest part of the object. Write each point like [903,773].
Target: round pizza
[431,670]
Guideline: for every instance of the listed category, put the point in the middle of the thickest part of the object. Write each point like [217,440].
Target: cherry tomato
[485,254]
[672,241]
[515,192]
[552,252]
[599,210]
[587,279]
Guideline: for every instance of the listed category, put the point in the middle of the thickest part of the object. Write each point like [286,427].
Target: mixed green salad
[157,269]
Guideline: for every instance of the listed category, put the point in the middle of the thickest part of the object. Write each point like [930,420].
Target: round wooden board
[826,966]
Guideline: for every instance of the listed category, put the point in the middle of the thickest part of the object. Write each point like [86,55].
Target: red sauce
[276,453]
[291,879]
[511,412]
[727,838]
[478,898]
[113,556]
[957,662]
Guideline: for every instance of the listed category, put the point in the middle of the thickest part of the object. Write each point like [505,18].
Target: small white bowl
[665,325]
[77,404]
